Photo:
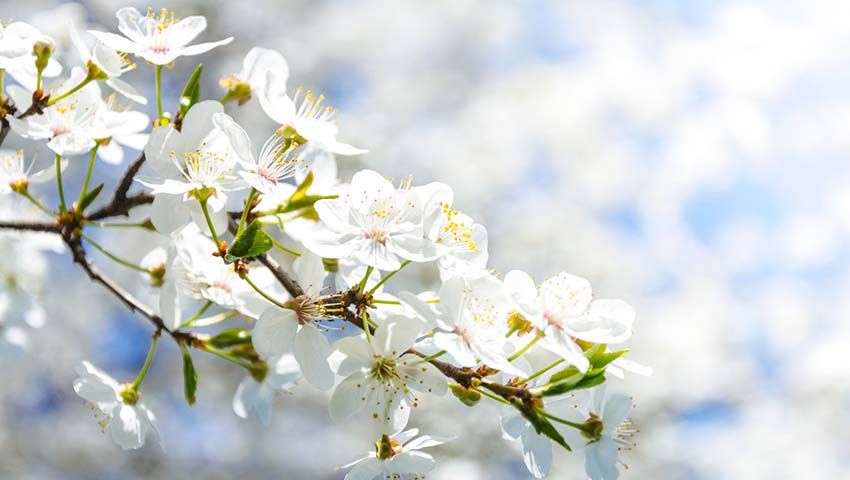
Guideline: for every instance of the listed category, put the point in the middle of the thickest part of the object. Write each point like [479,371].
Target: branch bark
[121,204]
[31,226]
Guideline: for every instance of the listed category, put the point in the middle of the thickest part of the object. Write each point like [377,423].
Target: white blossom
[157,37]
[256,397]
[400,456]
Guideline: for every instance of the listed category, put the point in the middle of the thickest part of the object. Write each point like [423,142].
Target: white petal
[252,396]
[127,90]
[310,272]
[352,354]
[396,336]
[274,332]
[411,462]
[536,453]
[168,214]
[126,427]
[199,48]
[559,342]
[116,42]
[312,350]
[606,321]
[617,408]
[600,460]
[367,469]
[237,136]
[425,441]
[350,396]
[456,347]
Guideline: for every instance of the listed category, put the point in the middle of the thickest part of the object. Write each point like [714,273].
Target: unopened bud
[42,49]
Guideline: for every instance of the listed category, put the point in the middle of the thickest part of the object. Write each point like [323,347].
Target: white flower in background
[396,456]
[158,38]
[564,309]
[111,63]
[381,376]
[253,77]
[461,241]
[15,172]
[536,449]
[195,160]
[256,397]
[304,114]
[192,272]
[472,317]
[609,431]
[618,366]
[68,125]
[278,159]
[373,222]
[122,128]
[14,341]
[129,421]
[17,40]
[280,330]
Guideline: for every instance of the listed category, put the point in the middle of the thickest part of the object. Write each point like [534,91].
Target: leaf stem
[524,349]
[542,371]
[389,276]
[264,294]
[62,206]
[284,247]
[112,256]
[85,188]
[245,210]
[197,315]
[144,371]
[157,74]
[73,90]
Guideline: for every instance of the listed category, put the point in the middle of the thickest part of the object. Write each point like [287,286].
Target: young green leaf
[192,91]
[90,197]
[230,337]
[190,376]
[251,242]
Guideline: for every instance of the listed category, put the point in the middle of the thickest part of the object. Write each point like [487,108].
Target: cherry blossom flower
[382,376]
[564,309]
[17,40]
[129,421]
[461,241]
[256,396]
[253,78]
[117,128]
[280,330]
[308,120]
[158,38]
[111,63]
[396,456]
[373,222]
[68,125]
[472,317]
[15,171]
[194,162]
[277,161]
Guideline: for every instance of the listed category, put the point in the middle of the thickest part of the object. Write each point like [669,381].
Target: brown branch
[31,226]
[288,282]
[79,255]
[4,130]
[121,204]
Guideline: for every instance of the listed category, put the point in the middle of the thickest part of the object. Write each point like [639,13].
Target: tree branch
[31,226]
[121,204]
[288,282]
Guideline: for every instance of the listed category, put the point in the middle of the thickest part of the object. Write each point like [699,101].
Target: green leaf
[192,91]
[230,337]
[603,358]
[190,376]
[251,242]
[542,425]
[90,196]
[467,396]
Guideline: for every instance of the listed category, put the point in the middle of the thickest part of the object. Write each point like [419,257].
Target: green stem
[433,356]
[245,211]
[385,302]
[362,283]
[542,371]
[284,247]
[73,90]
[389,276]
[524,349]
[209,222]
[112,256]
[197,315]
[147,365]
[62,206]
[157,72]
[38,79]
[491,396]
[35,202]
[85,188]
[264,294]
[144,225]
[238,361]
[576,425]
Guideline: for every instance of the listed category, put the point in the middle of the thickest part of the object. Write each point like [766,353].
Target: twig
[31,226]
[288,282]
[121,204]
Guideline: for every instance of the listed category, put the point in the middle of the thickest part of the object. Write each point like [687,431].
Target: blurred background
[691,158]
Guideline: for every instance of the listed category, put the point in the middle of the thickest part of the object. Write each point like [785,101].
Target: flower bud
[42,49]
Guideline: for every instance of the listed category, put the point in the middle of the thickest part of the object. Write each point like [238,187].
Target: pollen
[455,230]
[164,18]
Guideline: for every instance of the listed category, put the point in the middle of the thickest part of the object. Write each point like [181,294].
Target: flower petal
[312,350]
[274,332]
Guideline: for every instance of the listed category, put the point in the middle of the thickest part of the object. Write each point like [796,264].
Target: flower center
[376,235]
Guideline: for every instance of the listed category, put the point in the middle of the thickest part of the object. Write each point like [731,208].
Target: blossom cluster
[273,236]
